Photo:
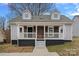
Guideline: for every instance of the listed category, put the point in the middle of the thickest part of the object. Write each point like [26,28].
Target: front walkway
[42,51]
[38,51]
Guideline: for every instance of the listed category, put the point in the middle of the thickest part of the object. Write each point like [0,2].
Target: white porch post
[36,32]
[59,31]
[44,36]
[17,34]
[44,32]
[63,31]
[36,36]
[71,32]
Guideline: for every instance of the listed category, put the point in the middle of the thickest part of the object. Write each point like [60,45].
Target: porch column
[71,32]
[63,31]
[44,32]
[36,32]
[17,34]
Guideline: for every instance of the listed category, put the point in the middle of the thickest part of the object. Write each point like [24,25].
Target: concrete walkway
[38,51]
[42,51]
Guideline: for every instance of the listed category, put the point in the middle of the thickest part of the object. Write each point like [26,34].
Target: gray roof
[43,18]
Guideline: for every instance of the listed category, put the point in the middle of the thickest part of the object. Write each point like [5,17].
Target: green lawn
[65,48]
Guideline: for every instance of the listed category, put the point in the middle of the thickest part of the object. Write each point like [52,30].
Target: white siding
[13,32]
[76,29]
[68,32]
[76,26]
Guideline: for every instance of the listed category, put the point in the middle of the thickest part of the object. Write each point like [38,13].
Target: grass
[66,48]
[63,49]
[8,48]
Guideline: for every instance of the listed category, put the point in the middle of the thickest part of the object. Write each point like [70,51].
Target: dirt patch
[8,48]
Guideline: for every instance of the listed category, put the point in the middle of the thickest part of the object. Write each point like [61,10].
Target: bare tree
[35,8]
[2,22]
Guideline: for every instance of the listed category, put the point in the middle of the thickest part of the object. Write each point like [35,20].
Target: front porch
[41,32]
[39,35]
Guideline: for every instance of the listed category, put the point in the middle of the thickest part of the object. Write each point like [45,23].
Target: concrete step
[40,43]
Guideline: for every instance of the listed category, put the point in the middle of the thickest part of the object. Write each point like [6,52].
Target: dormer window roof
[55,14]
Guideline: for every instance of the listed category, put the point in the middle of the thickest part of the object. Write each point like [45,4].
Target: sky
[67,9]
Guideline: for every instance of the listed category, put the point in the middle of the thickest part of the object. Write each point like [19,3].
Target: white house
[47,29]
[76,26]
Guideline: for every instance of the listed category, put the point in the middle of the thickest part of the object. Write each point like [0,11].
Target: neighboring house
[30,30]
[2,36]
[76,26]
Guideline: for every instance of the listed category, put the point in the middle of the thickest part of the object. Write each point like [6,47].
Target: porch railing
[46,35]
[27,35]
[53,35]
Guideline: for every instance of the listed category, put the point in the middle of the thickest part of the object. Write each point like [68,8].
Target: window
[29,29]
[51,29]
[26,15]
[34,29]
[53,32]
[56,28]
[46,29]
[20,29]
[61,30]
[55,15]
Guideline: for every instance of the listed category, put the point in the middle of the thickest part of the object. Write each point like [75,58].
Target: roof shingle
[43,18]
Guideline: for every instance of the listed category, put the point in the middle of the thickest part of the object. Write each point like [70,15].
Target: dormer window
[27,14]
[55,15]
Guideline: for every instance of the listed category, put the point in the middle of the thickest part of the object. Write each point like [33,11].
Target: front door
[40,32]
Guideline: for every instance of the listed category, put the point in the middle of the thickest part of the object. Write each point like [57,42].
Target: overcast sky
[68,9]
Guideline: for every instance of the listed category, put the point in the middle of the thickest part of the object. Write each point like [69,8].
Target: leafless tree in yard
[35,8]
[2,22]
